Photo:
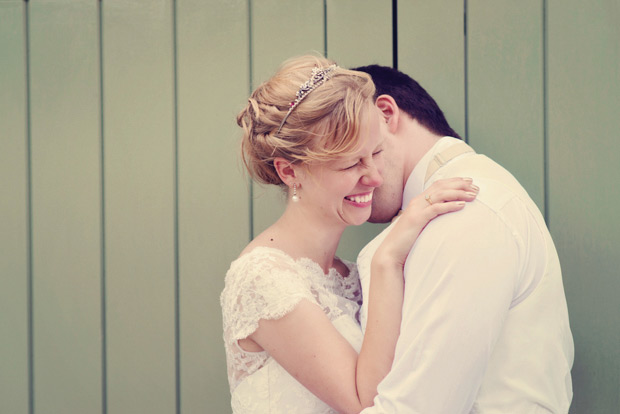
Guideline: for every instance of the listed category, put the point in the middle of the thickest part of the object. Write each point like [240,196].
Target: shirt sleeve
[459,283]
[260,287]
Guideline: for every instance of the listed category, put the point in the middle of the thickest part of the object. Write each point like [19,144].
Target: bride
[290,306]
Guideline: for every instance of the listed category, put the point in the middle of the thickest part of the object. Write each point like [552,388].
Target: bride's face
[341,190]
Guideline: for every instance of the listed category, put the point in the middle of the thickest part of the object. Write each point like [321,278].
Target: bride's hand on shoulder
[443,196]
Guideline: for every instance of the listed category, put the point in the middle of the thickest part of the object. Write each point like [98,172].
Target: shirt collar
[415,183]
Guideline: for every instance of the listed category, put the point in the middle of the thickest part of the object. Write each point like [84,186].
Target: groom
[485,325]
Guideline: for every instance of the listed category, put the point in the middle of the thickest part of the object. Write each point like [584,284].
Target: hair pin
[317,78]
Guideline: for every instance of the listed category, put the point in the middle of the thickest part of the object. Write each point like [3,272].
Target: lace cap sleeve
[262,284]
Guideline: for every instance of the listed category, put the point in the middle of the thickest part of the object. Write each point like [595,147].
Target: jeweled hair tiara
[317,78]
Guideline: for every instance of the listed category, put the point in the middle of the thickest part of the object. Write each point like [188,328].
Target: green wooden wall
[123,199]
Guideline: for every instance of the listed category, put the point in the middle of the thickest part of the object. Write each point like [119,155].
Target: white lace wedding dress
[266,283]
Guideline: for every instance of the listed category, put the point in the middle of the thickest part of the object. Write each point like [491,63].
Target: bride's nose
[372,177]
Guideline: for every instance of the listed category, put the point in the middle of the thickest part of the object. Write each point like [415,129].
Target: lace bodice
[266,283]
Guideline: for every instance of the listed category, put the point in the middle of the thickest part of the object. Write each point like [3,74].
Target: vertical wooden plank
[359,33]
[13,212]
[280,30]
[139,161]
[505,87]
[65,138]
[431,50]
[213,84]
[583,124]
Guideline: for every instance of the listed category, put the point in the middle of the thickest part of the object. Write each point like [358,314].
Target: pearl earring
[295,197]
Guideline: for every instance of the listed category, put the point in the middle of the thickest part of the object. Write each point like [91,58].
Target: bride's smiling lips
[360,200]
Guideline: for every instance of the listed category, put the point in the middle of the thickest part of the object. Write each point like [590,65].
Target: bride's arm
[387,285]
[311,349]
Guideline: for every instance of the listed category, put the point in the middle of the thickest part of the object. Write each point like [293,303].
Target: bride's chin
[357,221]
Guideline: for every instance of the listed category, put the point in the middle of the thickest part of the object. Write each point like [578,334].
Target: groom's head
[414,121]
[410,97]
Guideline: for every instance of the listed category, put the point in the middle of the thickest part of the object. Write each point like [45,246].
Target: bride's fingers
[457,183]
[443,196]
[430,197]
[443,208]
[450,195]
[433,203]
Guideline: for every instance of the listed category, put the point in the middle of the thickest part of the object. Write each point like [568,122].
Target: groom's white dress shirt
[484,325]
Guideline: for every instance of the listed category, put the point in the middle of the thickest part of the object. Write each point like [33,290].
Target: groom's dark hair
[410,98]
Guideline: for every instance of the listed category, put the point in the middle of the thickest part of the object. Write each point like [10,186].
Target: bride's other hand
[443,196]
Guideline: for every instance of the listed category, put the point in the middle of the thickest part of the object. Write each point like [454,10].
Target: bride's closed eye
[374,154]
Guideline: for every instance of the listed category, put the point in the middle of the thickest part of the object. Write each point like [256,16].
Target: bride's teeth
[360,199]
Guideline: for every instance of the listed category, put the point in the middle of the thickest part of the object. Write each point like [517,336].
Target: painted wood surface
[583,105]
[123,200]
[431,49]
[66,205]
[139,205]
[14,212]
[213,83]
[359,32]
[505,98]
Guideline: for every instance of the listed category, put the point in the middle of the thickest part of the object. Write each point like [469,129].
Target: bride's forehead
[366,141]
[370,136]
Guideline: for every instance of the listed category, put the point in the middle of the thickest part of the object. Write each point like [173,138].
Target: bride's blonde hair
[324,125]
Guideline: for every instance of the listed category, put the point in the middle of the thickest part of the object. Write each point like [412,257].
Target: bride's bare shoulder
[272,237]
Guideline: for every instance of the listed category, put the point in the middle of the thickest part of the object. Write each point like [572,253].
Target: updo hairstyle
[324,125]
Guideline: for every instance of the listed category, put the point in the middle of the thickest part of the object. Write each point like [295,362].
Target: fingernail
[475,188]
[469,180]
[460,203]
[469,193]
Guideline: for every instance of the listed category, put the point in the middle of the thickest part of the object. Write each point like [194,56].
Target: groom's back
[531,361]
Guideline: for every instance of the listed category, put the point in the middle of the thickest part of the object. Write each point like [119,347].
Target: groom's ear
[389,111]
